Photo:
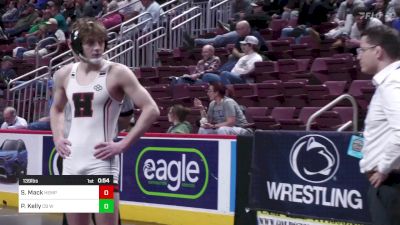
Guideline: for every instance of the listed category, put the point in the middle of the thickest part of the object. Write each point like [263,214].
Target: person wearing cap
[245,65]
[53,31]
[54,10]
[27,17]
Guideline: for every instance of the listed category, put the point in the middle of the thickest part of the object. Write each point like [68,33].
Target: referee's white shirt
[381,151]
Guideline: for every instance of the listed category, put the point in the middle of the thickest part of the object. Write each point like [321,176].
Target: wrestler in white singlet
[93,121]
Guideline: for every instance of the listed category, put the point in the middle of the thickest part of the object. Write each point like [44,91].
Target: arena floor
[10,216]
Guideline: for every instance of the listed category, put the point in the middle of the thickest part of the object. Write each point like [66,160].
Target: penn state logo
[314,158]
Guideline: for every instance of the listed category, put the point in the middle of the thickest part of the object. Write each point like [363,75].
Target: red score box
[106,192]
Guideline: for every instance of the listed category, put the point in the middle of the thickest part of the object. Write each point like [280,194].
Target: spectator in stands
[11,13]
[224,115]
[152,7]
[209,64]
[312,12]
[291,10]
[177,116]
[27,18]
[91,8]
[69,11]
[362,23]
[12,121]
[383,10]
[112,19]
[243,29]
[245,65]
[6,70]
[346,8]
[55,12]
[396,21]
[130,9]
[41,4]
[21,6]
[36,32]
[53,31]
[379,55]
[257,18]
[239,9]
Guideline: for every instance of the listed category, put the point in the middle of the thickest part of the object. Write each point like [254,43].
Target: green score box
[106,206]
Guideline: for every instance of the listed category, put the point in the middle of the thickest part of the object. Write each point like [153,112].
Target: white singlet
[94,119]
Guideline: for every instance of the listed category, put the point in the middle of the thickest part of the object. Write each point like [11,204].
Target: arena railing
[29,96]
[39,46]
[189,21]
[217,11]
[129,29]
[122,53]
[165,5]
[120,8]
[145,52]
[167,15]
[331,105]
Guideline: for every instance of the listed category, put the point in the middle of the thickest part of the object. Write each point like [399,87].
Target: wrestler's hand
[377,179]
[106,150]
[62,147]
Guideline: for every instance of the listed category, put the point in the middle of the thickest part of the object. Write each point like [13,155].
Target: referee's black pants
[384,201]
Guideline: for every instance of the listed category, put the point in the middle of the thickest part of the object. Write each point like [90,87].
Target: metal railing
[185,22]
[330,105]
[120,8]
[203,6]
[39,47]
[166,5]
[167,15]
[29,96]
[217,10]
[68,58]
[131,29]
[147,45]
[121,53]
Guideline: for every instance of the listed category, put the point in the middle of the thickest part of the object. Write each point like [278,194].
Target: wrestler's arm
[141,99]
[130,85]
[57,111]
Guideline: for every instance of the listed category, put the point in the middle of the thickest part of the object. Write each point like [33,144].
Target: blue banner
[172,172]
[309,175]
[52,162]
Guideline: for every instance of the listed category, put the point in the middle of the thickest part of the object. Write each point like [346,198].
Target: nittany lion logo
[314,158]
